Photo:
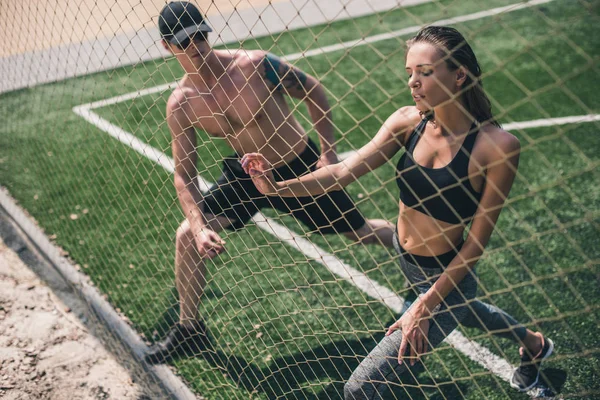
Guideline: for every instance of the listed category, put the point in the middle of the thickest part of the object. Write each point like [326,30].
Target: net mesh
[87,150]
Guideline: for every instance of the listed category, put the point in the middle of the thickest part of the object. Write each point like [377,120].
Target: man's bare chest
[229,110]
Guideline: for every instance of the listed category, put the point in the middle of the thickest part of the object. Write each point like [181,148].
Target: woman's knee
[355,390]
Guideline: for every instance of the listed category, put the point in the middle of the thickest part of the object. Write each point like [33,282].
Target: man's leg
[335,212]
[189,336]
[374,231]
[190,268]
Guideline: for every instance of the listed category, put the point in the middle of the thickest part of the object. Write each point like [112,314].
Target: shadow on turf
[554,378]
[333,362]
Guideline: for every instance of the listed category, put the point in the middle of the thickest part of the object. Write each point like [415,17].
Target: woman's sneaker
[527,375]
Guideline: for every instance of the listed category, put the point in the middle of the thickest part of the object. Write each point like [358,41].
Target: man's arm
[296,83]
[208,242]
[183,143]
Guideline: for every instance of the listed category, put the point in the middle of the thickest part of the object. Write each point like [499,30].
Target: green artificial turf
[284,326]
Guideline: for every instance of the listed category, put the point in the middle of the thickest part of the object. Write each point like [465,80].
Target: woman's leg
[492,319]
[535,347]
[370,379]
[489,318]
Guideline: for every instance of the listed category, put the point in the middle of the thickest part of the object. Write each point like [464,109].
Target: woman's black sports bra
[443,193]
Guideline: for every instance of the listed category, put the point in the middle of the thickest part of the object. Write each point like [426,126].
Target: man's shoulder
[252,59]
[248,64]
[180,96]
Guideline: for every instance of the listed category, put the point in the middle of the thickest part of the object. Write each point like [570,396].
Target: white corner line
[471,349]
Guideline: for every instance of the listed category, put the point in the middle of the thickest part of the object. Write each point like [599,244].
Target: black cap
[179,20]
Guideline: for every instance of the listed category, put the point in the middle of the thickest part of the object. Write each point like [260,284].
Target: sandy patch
[45,351]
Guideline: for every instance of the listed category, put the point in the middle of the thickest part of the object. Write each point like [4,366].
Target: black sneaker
[180,341]
[527,375]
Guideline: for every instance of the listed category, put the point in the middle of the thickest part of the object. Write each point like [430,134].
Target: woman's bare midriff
[422,235]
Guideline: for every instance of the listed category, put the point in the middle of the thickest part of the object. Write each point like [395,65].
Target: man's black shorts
[235,197]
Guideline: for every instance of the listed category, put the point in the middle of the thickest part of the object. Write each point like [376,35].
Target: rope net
[113,137]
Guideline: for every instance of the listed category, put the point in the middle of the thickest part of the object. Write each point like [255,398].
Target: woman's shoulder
[404,121]
[496,143]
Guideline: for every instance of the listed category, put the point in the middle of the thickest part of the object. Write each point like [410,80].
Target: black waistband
[299,165]
[439,261]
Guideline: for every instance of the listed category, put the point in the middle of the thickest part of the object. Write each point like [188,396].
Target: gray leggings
[369,380]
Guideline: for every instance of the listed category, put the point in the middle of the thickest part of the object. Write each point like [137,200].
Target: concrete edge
[80,282]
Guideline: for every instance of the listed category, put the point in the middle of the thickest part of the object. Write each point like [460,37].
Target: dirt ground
[48,346]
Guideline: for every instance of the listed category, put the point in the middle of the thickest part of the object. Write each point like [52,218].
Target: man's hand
[327,158]
[209,243]
[261,172]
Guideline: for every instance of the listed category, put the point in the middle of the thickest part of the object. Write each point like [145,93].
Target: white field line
[537,123]
[385,36]
[340,46]
[473,350]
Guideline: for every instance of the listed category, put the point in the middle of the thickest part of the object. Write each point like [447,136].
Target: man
[240,97]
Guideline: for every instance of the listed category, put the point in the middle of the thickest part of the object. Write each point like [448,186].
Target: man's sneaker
[180,341]
[527,374]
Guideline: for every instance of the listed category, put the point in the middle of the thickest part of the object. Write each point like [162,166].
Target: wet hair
[456,51]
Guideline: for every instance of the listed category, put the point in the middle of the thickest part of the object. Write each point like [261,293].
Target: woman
[457,170]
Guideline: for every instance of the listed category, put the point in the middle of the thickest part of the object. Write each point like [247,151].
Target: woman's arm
[380,149]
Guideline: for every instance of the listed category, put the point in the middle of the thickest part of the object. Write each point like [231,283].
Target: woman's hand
[414,325]
[261,172]
[327,158]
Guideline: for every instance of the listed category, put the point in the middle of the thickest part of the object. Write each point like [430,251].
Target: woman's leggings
[370,379]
